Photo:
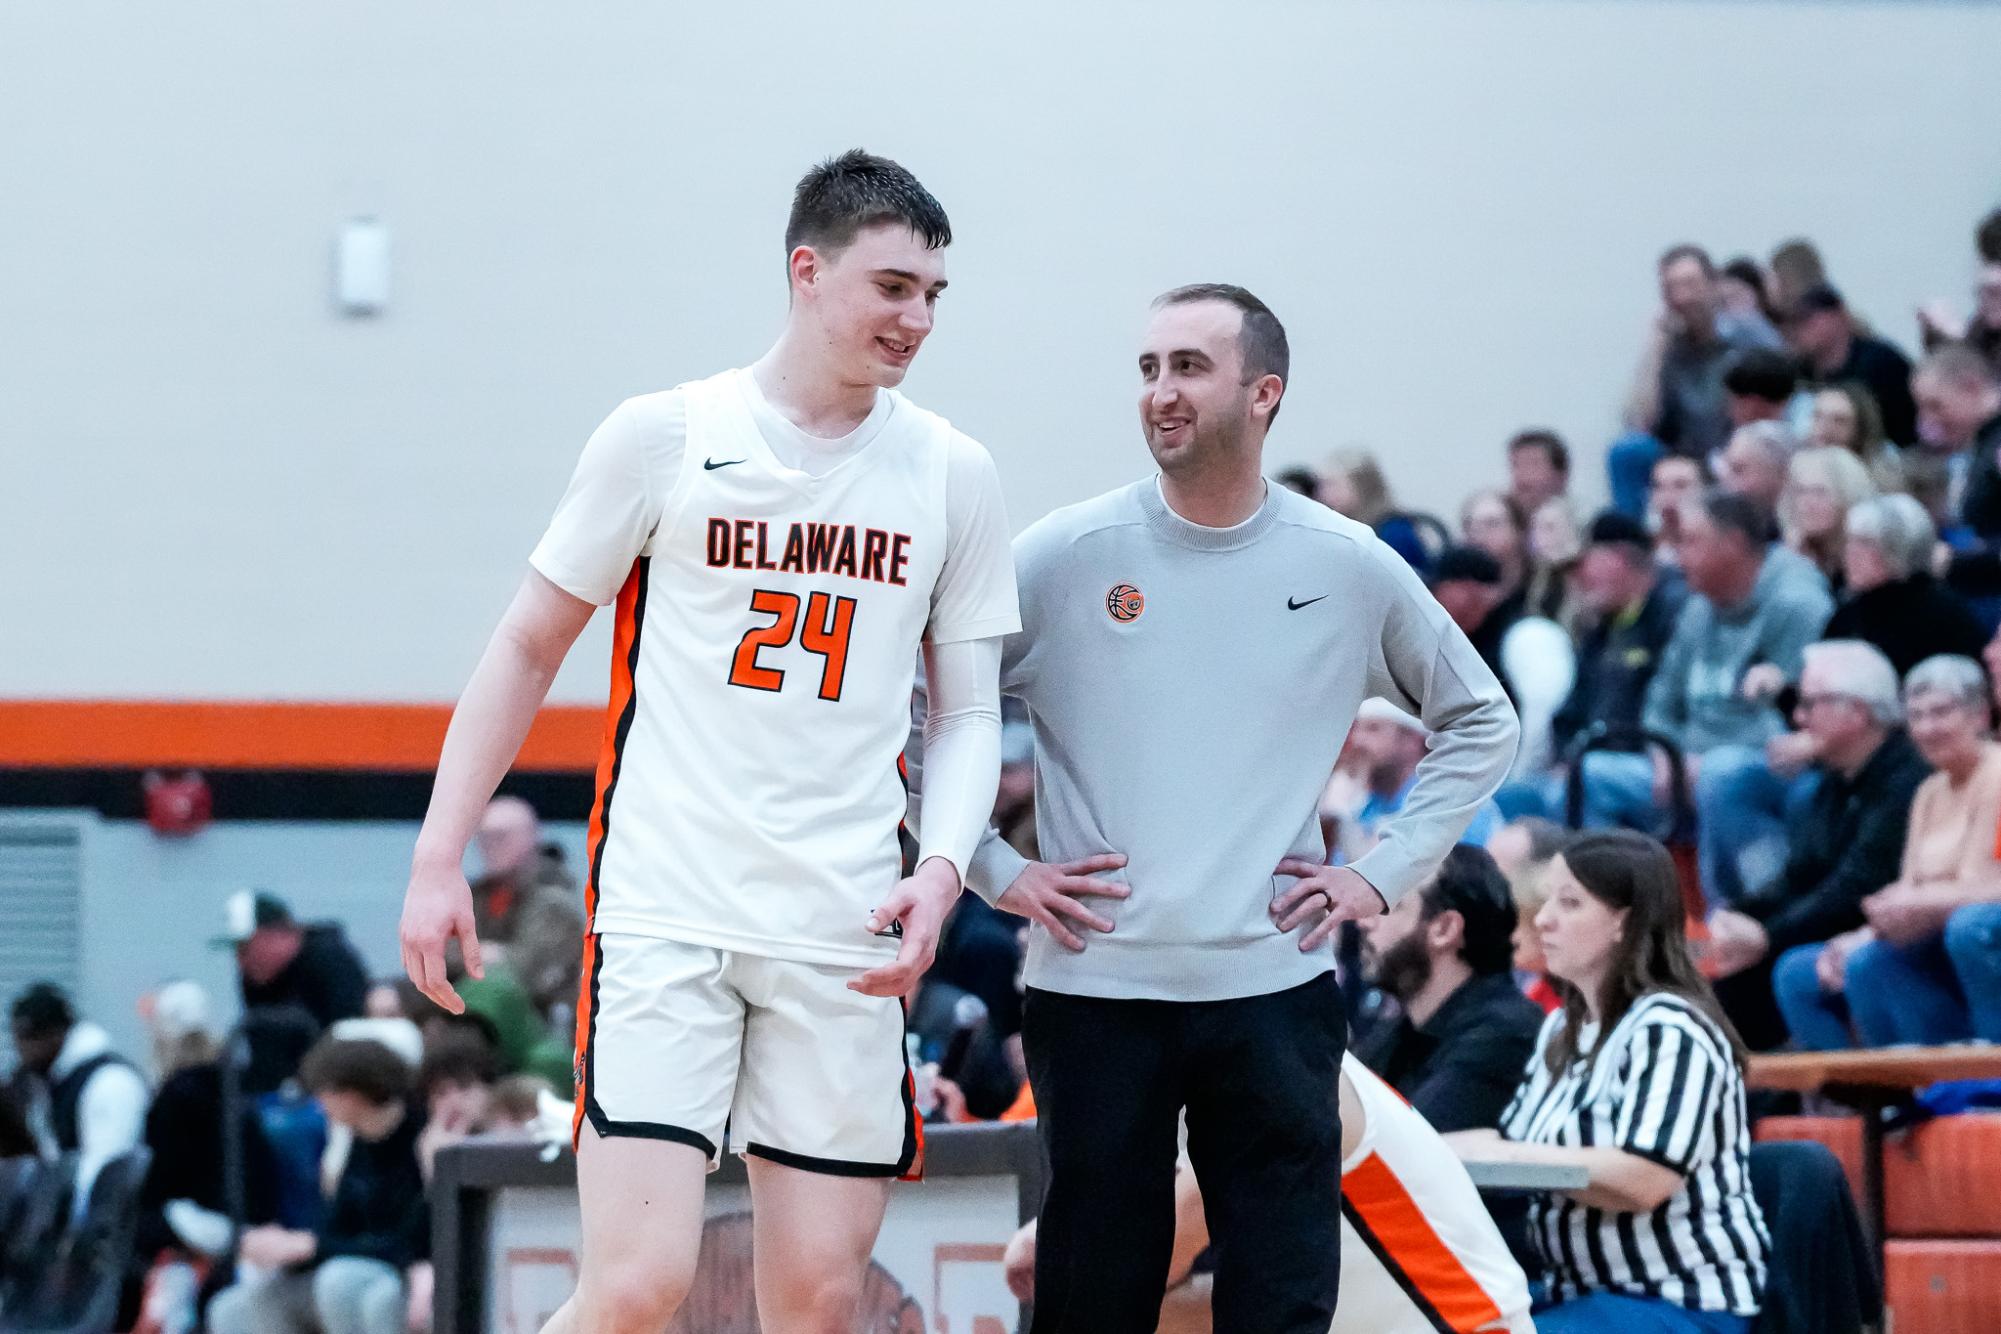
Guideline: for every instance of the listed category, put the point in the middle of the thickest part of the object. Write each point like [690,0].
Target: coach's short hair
[844,194]
[1262,338]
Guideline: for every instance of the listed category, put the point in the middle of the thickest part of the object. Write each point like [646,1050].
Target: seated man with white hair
[1925,968]
[1756,461]
[1847,844]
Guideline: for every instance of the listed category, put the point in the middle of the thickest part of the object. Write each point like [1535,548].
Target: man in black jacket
[1635,602]
[1846,845]
[1464,1031]
[350,1274]
[1824,332]
[280,962]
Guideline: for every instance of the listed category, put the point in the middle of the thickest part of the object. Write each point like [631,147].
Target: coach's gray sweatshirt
[1190,689]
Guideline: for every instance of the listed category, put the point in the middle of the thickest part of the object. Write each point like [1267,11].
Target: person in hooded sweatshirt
[80,1096]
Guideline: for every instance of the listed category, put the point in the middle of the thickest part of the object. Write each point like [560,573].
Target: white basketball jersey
[1419,1252]
[750,792]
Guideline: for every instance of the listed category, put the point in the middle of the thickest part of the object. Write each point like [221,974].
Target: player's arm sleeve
[1426,665]
[974,597]
[613,503]
[954,794]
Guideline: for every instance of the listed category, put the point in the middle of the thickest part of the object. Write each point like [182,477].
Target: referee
[1193,649]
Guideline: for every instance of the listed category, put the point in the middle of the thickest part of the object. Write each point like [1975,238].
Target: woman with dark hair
[1639,1080]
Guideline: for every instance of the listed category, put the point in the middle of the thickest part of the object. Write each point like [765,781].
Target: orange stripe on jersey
[587,1004]
[618,721]
[1397,1230]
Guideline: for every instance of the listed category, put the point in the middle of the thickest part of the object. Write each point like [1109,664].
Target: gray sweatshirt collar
[1164,521]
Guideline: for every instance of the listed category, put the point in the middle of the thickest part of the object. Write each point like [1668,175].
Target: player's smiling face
[1193,402]
[875,301]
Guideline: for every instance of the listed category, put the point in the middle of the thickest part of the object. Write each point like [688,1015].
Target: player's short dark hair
[42,1010]
[1740,515]
[361,1066]
[1262,338]
[1762,372]
[1548,441]
[1471,884]
[1687,250]
[844,194]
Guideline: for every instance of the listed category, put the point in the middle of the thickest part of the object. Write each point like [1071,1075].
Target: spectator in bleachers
[1639,1080]
[1835,351]
[1738,641]
[1302,480]
[1633,605]
[1893,600]
[1471,587]
[78,1095]
[1925,967]
[527,902]
[1959,417]
[1462,1030]
[1754,463]
[1741,285]
[1677,403]
[1845,416]
[1675,480]
[1845,845]
[280,962]
[1822,485]
[1759,386]
[1941,324]
[1492,522]
[1375,775]
[185,1206]
[1524,850]
[1538,468]
[1554,547]
[348,1277]
[1353,484]
[1796,268]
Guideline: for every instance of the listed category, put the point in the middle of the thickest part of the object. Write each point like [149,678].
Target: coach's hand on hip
[1336,891]
[1047,893]
[920,905]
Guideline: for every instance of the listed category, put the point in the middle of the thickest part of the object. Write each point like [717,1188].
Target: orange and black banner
[274,759]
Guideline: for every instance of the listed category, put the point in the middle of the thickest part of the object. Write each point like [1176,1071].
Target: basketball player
[1194,648]
[780,540]
[1419,1252]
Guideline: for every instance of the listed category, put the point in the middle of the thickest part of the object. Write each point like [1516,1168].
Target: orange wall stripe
[144,734]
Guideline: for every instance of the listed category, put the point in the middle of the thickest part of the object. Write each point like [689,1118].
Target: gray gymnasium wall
[215,487]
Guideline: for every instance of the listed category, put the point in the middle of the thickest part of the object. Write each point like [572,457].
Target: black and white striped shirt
[1664,1085]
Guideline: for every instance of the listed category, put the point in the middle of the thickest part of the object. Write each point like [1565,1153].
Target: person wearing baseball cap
[1633,603]
[281,961]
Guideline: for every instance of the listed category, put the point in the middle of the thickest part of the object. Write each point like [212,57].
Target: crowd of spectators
[1774,652]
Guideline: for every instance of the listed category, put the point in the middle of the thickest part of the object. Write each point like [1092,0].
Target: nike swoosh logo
[1291,605]
[710,465]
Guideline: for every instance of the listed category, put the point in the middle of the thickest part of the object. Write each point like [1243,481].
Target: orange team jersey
[769,618]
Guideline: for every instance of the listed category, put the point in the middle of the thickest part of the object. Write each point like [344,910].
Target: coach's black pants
[1260,1077]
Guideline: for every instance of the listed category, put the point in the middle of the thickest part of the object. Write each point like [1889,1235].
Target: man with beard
[1457,1049]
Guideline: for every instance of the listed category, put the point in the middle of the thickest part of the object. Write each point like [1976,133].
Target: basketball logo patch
[1125,603]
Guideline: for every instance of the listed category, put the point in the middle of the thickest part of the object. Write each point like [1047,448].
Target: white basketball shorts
[770,1057]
